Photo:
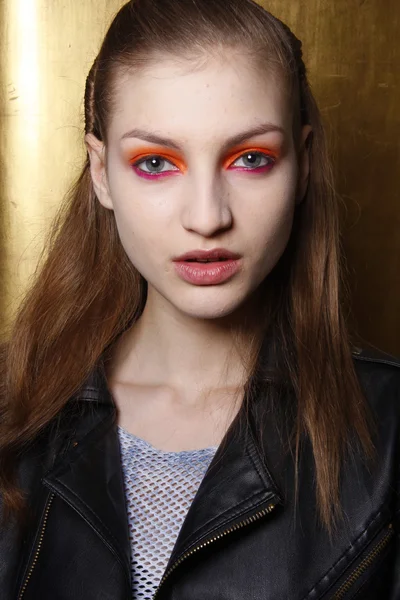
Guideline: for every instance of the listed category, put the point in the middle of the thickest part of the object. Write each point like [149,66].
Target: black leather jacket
[242,538]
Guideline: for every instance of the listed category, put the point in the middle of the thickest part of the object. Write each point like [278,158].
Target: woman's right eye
[154,165]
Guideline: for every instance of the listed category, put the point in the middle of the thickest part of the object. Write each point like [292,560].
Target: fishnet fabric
[159,487]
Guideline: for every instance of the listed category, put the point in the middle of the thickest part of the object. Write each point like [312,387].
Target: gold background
[352,49]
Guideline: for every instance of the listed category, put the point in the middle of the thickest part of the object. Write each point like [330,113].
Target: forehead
[199,100]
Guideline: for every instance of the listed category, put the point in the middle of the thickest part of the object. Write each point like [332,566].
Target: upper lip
[215,254]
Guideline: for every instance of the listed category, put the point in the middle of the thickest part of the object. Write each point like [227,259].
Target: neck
[168,347]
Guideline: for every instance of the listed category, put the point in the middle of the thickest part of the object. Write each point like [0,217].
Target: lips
[216,254]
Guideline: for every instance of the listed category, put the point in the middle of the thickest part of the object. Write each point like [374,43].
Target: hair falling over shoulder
[86,291]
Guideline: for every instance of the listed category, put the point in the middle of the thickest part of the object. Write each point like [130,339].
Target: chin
[214,305]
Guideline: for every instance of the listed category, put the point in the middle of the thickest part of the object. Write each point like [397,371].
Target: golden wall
[352,48]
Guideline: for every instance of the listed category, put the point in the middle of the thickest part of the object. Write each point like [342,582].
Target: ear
[96,150]
[304,163]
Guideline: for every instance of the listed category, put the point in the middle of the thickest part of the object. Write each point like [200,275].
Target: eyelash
[260,169]
[148,175]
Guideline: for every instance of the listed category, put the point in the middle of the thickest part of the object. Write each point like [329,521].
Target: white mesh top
[159,487]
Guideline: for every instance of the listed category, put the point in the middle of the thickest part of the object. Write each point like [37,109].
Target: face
[201,160]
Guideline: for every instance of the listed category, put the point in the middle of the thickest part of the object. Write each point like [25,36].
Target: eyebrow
[235,140]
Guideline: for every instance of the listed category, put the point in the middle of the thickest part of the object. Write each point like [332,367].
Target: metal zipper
[247,521]
[364,564]
[39,547]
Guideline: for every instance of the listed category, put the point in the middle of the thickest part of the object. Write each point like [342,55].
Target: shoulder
[375,356]
[373,364]
[379,377]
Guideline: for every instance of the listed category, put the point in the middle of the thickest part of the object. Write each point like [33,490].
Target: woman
[183,416]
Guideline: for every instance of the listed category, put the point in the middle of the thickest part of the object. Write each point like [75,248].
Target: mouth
[207,256]
[211,260]
[208,267]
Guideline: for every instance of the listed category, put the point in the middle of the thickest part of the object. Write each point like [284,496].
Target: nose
[206,208]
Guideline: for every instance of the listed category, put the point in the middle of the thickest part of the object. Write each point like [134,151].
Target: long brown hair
[87,292]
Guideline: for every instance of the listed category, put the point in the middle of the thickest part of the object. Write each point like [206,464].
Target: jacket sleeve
[395,588]
[10,555]
[395,591]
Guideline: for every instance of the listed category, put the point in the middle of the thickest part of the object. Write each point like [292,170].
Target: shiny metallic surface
[47,47]
[352,50]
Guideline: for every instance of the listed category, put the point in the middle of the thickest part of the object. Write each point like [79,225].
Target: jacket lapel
[236,485]
[89,477]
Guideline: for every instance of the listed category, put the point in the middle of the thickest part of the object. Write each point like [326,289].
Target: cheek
[141,222]
[137,230]
[272,210]
[271,238]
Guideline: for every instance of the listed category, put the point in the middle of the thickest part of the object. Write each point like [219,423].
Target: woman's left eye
[153,165]
[253,160]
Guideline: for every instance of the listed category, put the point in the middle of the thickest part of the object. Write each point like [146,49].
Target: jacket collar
[89,476]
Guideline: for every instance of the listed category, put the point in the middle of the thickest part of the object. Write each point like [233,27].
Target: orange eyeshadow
[239,151]
[134,156]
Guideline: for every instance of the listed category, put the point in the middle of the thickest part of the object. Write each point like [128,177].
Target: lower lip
[207,273]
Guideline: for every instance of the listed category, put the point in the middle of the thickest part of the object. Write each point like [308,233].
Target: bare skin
[173,410]
[176,377]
